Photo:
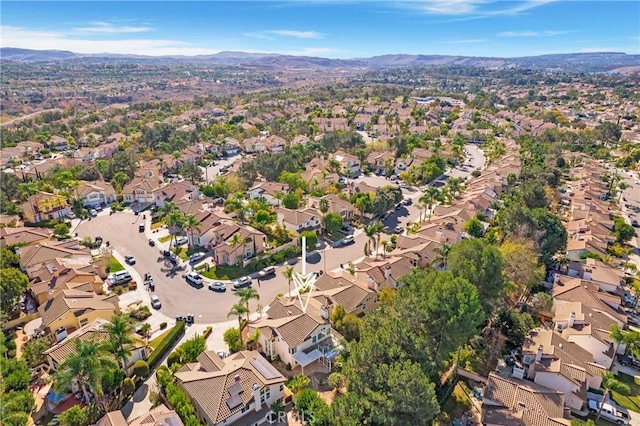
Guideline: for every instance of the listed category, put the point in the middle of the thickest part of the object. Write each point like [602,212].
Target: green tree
[128,386]
[32,351]
[233,339]
[13,284]
[481,264]
[332,222]
[238,310]
[288,273]
[534,194]
[15,375]
[141,368]
[8,259]
[191,349]
[120,340]
[551,235]
[291,201]
[87,366]
[61,231]
[323,206]
[16,407]
[312,238]
[521,268]
[298,383]
[245,295]
[74,416]
[192,172]
[192,225]
[622,230]
[474,227]
[175,222]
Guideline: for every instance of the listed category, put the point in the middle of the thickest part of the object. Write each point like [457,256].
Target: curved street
[180,298]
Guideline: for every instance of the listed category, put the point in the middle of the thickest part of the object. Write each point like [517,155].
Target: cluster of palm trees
[372,232]
[241,308]
[432,195]
[95,360]
[178,222]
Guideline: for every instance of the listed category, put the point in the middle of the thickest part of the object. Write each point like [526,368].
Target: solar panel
[234,389]
[233,401]
[263,366]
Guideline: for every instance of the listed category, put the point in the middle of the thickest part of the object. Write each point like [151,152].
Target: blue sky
[326,28]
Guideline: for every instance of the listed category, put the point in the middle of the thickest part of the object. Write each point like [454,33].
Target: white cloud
[472,9]
[449,7]
[109,28]
[548,33]
[51,40]
[271,34]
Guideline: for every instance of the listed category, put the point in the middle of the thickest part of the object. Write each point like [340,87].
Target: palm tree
[119,331]
[246,294]
[167,209]
[175,223]
[191,224]
[239,309]
[288,274]
[455,186]
[86,367]
[146,331]
[370,232]
[610,383]
[323,206]
[430,197]
[235,241]
[442,255]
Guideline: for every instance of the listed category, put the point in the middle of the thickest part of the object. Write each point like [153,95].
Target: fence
[20,322]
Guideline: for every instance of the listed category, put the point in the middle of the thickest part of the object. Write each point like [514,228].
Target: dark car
[141,227]
[151,242]
[635,224]
[130,260]
[629,361]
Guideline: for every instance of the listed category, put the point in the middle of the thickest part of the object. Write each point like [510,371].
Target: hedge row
[164,346]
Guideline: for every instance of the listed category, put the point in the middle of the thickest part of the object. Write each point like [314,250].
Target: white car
[195,257]
[610,412]
[155,302]
[194,279]
[181,240]
[217,286]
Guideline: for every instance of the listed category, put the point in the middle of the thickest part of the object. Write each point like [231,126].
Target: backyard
[455,405]
[630,401]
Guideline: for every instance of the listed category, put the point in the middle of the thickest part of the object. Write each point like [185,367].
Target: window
[245,408]
[281,388]
[293,350]
[314,339]
[265,394]
[83,322]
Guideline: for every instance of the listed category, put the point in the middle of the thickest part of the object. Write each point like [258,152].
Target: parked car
[348,240]
[610,411]
[195,257]
[217,286]
[130,260]
[629,361]
[151,242]
[93,213]
[242,282]
[266,272]
[399,229]
[407,202]
[155,302]
[633,320]
[218,201]
[181,240]
[71,215]
[194,279]
[141,227]
[635,223]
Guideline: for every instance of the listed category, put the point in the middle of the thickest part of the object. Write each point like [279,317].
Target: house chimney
[324,312]
[539,354]
[256,397]
[572,319]
[237,378]
[587,274]
[387,273]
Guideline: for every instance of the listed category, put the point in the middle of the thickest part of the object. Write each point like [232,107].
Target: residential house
[379,161]
[34,256]
[270,192]
[300,220]
[231,146]
[157,416]
[113,418]
[327,125]
[236,390]
[253,145]
[175,192]
[318,179]
[336,205]
[552,361]
[225,252]
[512,401]
[92,332]
[376,274]
[350,163]
[141,190]
[299,140]
[75,309]
[64,278]
[45,206]
[295,336]
[96,193]
[22,236]
[275,144]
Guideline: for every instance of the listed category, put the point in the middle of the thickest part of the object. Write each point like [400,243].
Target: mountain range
[570,62]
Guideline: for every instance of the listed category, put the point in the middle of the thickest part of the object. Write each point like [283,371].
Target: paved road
[211,173]
[179,298]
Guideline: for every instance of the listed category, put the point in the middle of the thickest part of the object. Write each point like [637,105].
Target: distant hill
[570,62]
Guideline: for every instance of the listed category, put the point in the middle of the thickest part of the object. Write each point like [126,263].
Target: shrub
[163,325]
[232,339]
[476,173]
[128,386]
[141,368]
[141,313]
[164,346]
[133,285]
[173,358]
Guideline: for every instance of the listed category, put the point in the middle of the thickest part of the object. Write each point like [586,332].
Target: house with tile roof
[511,401]
[23,235]
[157,416]
[45,206]
[73,309]
[112,418]
[236,390]
[350,163]
[268,191]
[176,192]
[141,189]
[92,332]
[64,278]
[34,257]
[219,239]
[96,193]
[344,208]
[300,219]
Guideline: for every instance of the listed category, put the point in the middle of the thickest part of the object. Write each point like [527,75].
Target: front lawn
[164,239]
[115,266]
[630,401]
[157,225]
[334,237]
[225,272]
